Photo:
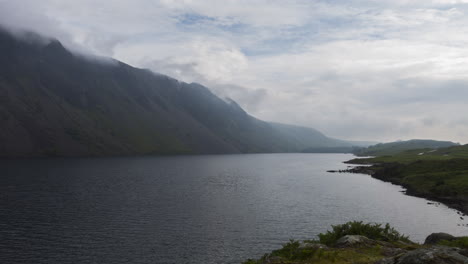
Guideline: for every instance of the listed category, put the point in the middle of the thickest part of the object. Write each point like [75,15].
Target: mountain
[56,103]
[392,148]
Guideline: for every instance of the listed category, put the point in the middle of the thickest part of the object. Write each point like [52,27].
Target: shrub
[292,251]
[370,230]
[461,242]
[289,251]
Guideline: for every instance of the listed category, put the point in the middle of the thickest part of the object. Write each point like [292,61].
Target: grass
[439,174]
[409,156]
[461,242]
[435,178]
[369,230]
[295,252]
[388,149]
[323,256]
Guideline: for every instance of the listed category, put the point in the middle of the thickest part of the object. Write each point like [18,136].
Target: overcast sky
[365,70]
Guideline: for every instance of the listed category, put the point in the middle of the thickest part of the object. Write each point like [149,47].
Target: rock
[354,241]
[392,251]
[386,261]
[312,246]
[463,252]
[434,238]
[434,255]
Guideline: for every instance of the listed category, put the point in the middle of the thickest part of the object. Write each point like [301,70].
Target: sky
[380,70]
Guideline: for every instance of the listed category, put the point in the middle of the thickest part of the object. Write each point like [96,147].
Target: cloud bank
[359,69]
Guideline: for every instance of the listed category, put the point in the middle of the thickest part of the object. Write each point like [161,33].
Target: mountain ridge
[57,103]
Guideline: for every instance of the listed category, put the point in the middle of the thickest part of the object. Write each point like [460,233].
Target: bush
[289,251]
[372,231]
[461,242]
[292,251]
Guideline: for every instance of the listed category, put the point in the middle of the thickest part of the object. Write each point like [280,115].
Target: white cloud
[360,69]
[192,60]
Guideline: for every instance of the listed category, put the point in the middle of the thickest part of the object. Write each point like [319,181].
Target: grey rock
[434,238]
[464,252]
[354,241]
[312,246]
[434,255]
[392,251]
[387,261]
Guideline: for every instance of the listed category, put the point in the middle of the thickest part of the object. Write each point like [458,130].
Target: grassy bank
[357,242]
[327,249]
[440,174]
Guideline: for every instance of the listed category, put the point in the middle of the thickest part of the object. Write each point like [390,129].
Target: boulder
[386,261]
[354,241]
[433,255]
[434,238]
[392,251]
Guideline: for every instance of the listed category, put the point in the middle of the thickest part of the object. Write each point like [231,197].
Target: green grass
[393,148]
[409,156]
[441,173]
[461,242]
[369,230]
[451,183]
[295,252]
[435,178]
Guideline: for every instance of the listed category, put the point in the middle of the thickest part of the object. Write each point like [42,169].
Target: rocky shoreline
[361,249]
[381,172]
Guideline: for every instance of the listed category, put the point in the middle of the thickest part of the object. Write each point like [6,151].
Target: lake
[192,209]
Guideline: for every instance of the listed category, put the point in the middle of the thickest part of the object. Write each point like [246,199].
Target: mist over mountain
[54,102]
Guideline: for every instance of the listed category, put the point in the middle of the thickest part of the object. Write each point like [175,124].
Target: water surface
[191,209]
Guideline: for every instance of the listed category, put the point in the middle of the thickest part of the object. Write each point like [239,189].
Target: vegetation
[293,253]
[313,251]
[409,156]
[440,174]
[386,149]
[369,230]
[460,242]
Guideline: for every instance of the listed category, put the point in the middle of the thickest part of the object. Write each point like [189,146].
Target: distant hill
[56,103]
[342,147]
[392,148]
[350,149]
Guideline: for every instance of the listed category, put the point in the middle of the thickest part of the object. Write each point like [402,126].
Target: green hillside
[368,243]
[440,174]
[393,148]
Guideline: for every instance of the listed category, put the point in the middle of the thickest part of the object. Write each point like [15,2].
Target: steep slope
[306,136]
[53,102]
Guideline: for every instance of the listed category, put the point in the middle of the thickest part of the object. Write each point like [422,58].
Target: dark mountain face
[53,102]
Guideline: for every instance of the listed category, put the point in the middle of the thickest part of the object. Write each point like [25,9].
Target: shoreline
[376,171]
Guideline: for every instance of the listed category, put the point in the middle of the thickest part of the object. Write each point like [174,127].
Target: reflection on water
[191,209]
